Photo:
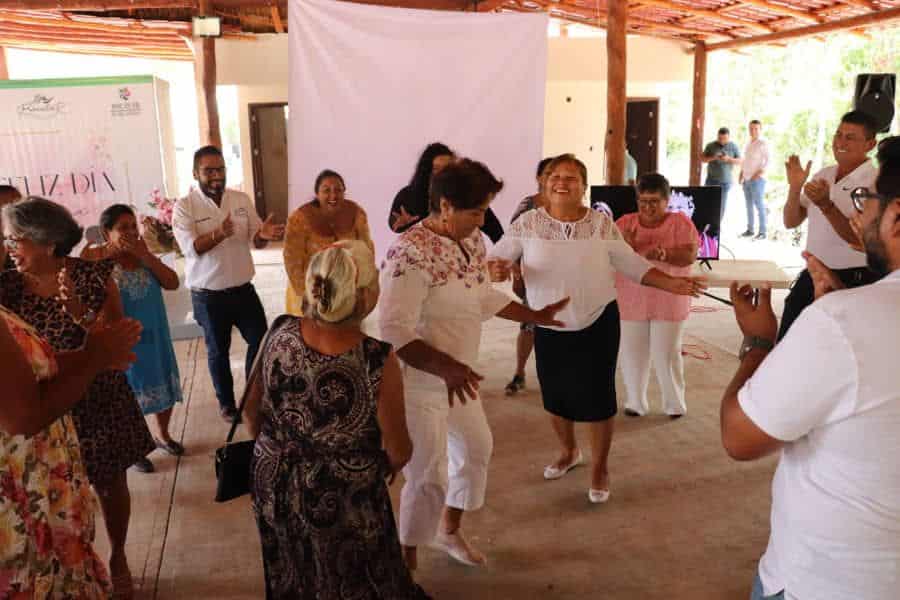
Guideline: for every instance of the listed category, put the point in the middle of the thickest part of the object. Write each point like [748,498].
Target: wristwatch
[752,341]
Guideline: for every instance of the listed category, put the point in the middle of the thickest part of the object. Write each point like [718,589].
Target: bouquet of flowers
[158,229]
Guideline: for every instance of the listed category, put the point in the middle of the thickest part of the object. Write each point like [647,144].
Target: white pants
[659,341]
[451,451]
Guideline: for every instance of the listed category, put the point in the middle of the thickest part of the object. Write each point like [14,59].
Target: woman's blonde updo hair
[334,277]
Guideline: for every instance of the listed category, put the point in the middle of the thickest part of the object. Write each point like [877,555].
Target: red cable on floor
[695,351]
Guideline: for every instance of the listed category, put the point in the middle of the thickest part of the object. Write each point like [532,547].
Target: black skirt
[577,369]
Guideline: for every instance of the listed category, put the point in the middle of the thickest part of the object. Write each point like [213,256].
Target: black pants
[802,292]
[217,312]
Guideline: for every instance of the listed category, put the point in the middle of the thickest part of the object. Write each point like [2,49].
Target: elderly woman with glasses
[63,298]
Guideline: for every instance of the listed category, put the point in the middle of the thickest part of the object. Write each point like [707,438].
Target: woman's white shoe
[555,472]
[598,496]
[459,549]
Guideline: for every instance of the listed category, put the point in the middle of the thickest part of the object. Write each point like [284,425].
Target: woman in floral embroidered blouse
[141,277]
[46,504]
[317,224]
[436,292]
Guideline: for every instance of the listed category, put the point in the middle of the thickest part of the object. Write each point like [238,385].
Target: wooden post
[4,70]
[616,78]
[205,79]
[698,113]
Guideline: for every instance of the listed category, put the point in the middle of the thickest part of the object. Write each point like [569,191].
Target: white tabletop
[756,273]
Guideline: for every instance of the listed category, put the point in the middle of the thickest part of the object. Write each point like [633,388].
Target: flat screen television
[701,203]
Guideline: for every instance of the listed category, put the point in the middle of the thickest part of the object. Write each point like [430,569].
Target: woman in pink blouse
[653,319]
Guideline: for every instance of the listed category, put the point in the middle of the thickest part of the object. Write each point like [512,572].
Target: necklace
[88,317]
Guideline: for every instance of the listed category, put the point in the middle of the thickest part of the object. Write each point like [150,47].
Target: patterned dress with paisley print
[46,503]
[154,375]
[321,502]
[111,429]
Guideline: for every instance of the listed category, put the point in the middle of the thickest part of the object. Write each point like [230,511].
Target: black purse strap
[254,375]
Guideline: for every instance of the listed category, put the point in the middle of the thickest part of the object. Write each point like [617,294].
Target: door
[642,133]
[268,139]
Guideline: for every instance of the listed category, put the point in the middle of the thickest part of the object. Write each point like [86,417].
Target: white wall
[576,69]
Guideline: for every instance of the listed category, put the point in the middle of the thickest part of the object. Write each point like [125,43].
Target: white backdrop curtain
[371,86]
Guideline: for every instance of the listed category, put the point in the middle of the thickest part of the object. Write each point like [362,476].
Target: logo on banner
[42,107]
[125,108]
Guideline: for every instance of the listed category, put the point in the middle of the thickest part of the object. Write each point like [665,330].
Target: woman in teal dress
[141,277]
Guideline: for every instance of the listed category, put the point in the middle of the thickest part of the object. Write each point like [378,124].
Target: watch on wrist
[752,341]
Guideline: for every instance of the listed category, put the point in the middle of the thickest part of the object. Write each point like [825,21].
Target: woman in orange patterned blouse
[46,504]
[317,224]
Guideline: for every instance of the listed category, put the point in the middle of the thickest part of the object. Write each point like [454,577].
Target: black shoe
[631,413]
[761,236]
[144,465]
[673,417]
[517,383]
[747,233]
[172,447]
[228,413]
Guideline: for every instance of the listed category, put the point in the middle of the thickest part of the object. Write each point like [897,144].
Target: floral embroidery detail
[136,283]
[537,224]
[439,258]
[46,504]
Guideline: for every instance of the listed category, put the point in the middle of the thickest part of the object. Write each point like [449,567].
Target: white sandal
[459,549]
[555,472]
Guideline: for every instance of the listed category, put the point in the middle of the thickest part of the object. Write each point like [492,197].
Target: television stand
[704,262]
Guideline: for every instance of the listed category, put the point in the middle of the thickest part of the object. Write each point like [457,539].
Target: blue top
[154,376]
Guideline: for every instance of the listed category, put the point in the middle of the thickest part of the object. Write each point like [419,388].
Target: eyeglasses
[12,243]
[861,194]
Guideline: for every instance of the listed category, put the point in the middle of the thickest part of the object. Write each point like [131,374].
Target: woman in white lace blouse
[569,250]
[435,293]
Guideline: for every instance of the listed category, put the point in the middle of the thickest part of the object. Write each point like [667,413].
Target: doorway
[268,141]
[642,133]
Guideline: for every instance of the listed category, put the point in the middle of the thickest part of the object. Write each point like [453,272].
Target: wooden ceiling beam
[276,20]
[883,16]
[102,51]
[779,9]
[709,14]
[149,28]
[868,4]
[65,30]
[174,44]
[95,5]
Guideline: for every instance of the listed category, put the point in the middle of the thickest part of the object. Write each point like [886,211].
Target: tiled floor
[684,521]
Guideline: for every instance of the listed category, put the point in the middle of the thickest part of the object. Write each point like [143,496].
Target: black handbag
[233,459]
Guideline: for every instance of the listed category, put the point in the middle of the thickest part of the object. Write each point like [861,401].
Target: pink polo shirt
[641,303]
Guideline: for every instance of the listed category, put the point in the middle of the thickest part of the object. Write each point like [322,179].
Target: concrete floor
[684,521]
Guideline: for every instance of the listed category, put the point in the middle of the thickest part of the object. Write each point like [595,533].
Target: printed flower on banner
[158,229]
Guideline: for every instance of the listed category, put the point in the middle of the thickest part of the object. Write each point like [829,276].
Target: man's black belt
[231,290]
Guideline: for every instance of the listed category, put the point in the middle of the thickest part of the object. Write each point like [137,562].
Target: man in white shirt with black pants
[826,202]
[214,227]
[828,397]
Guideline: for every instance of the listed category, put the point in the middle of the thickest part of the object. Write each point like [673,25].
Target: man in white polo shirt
[214,227]
[828,397]
[826,202]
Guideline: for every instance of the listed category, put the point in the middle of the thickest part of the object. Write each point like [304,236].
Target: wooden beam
[95,5]
[276,20]
[149,28]
[616,78]
[709,14]
[488,5]
[205,79]
[425,4]
[883,16]
[4,68]
[99,50]
[868,4]
[111,33]
[698,112]
[780,9]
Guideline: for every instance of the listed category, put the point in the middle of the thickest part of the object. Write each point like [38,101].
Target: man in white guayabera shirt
[828,397]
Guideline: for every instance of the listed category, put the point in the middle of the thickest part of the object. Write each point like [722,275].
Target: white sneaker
[598,496]
[456,545]
[555,472]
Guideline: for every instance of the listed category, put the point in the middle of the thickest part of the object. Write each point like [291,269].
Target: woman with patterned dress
[325,220]
[141,277]
[46,284]
[325,403]
[436,292]
[46,505]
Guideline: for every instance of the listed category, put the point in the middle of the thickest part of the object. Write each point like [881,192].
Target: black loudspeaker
[875,96]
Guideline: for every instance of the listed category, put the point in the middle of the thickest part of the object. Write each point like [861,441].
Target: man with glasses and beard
[827,397]
[214,227]
[826,202]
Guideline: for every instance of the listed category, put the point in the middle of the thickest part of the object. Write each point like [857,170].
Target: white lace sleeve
[623,257]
